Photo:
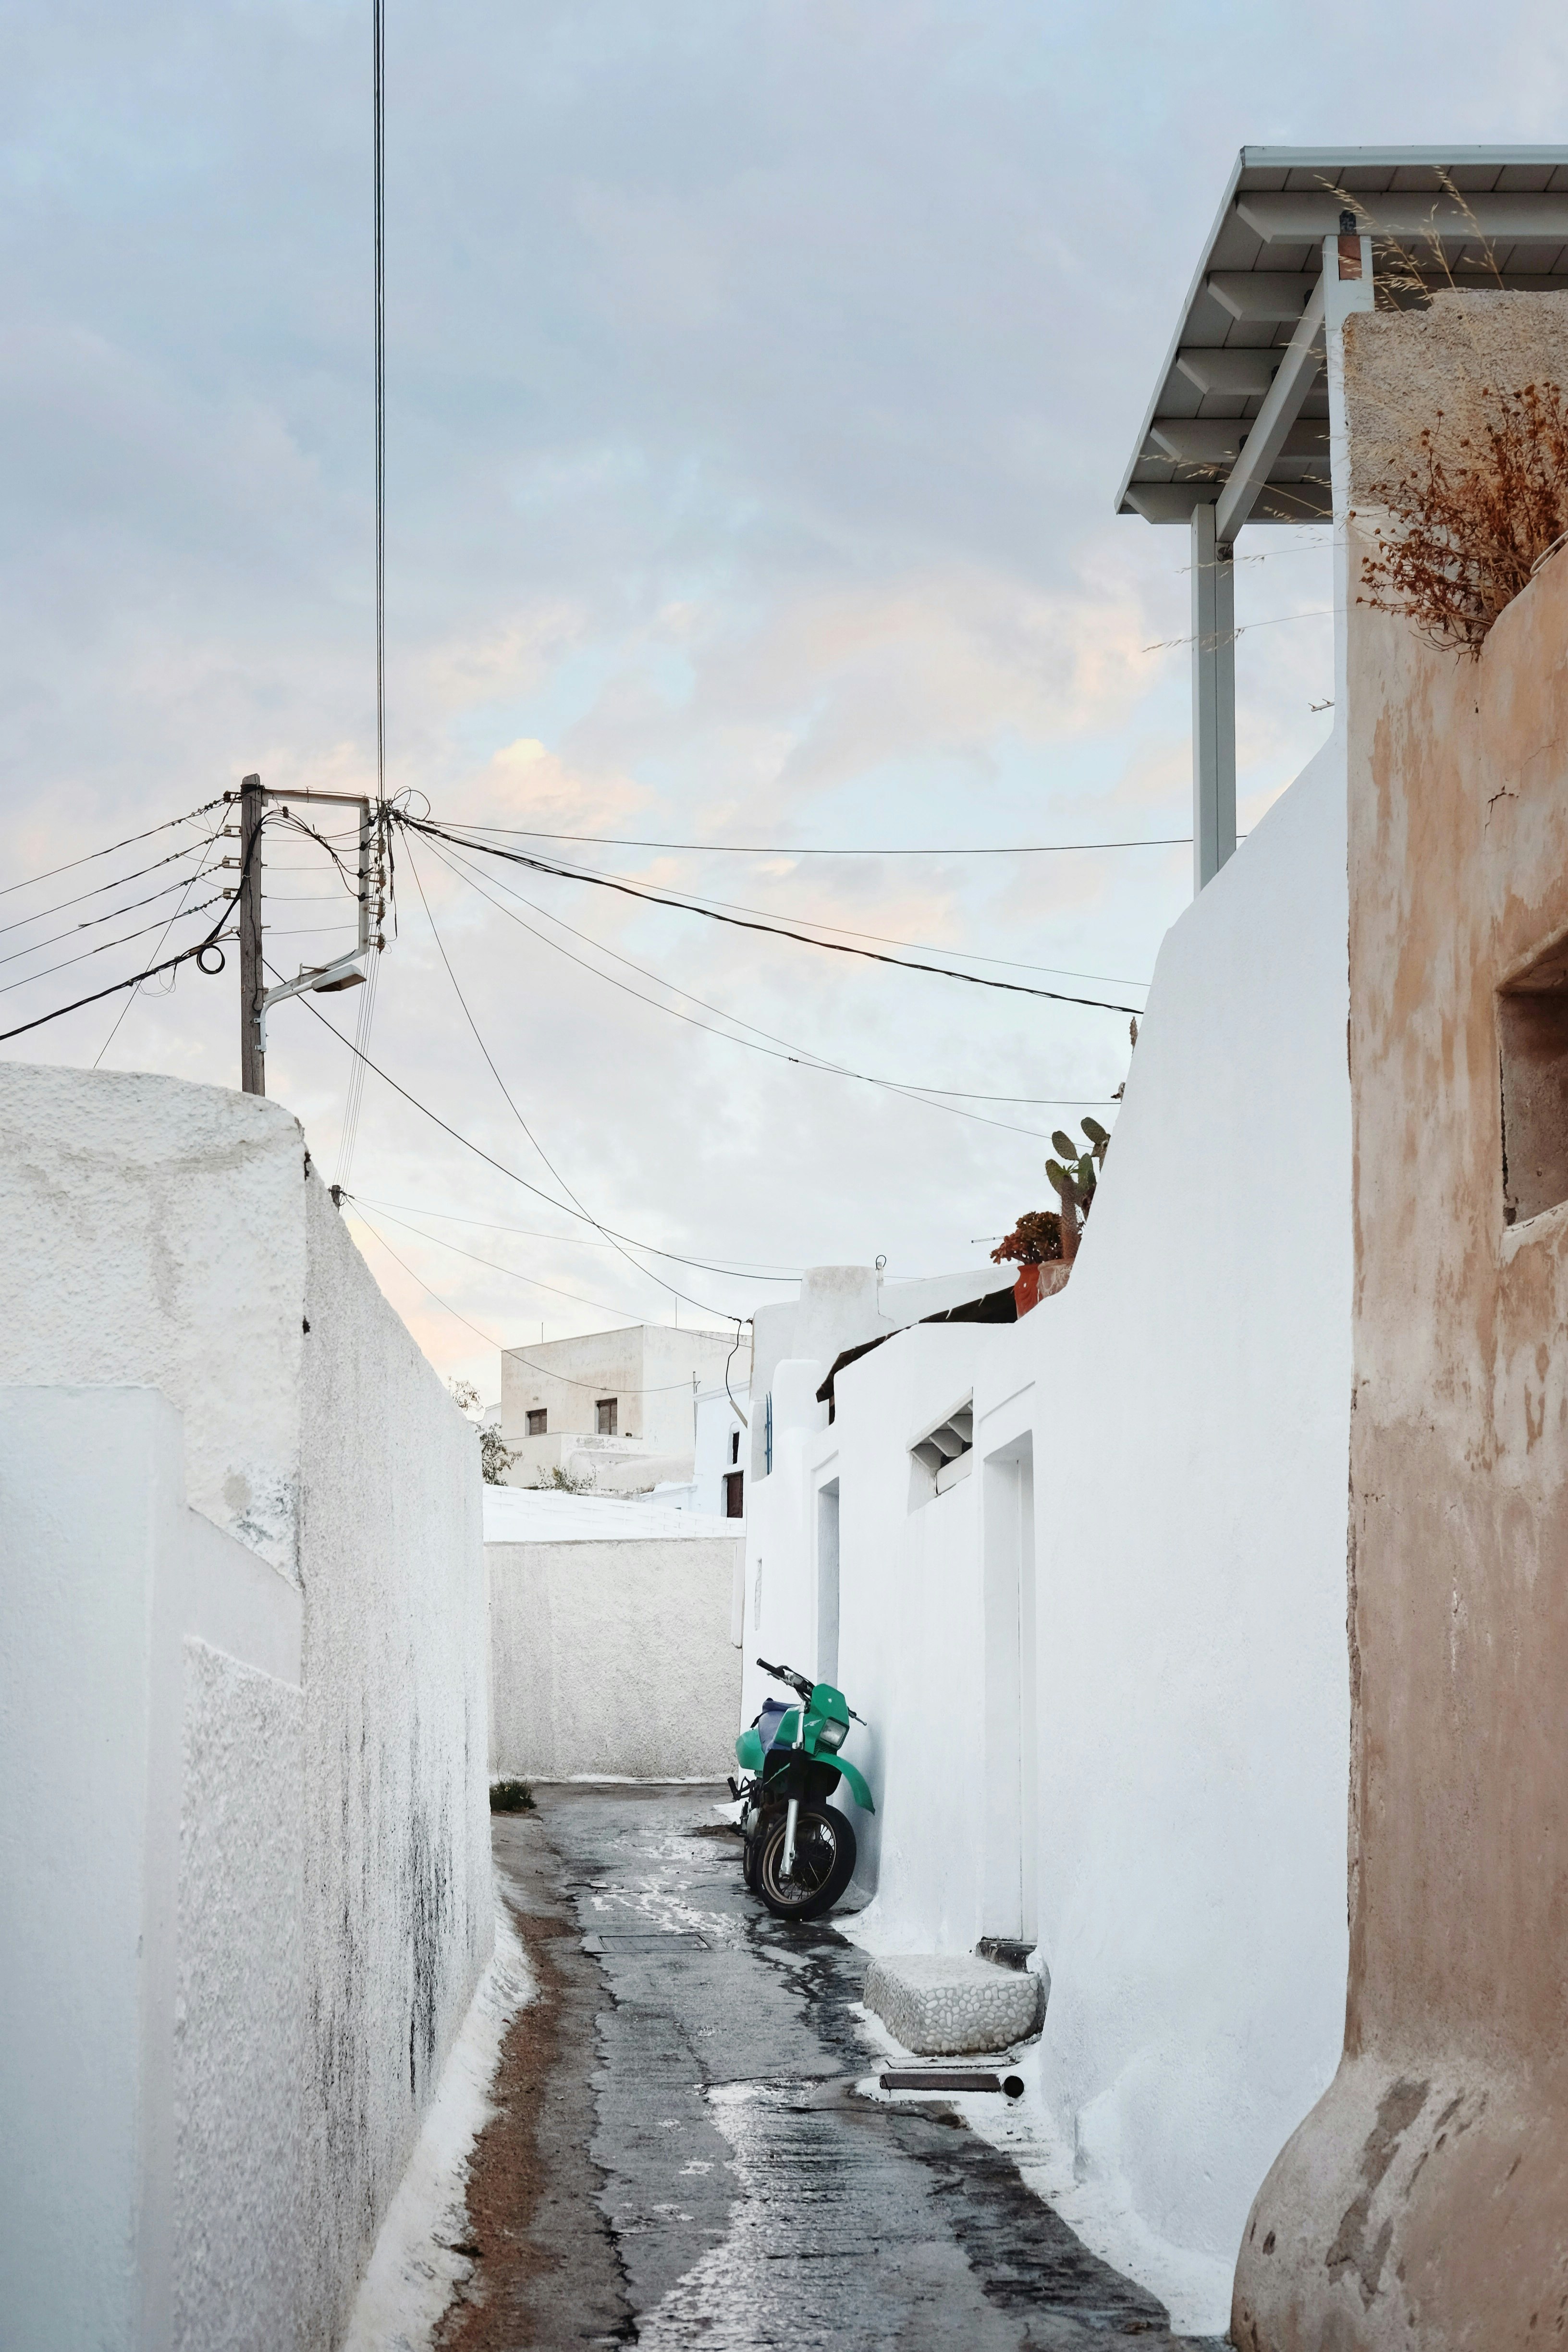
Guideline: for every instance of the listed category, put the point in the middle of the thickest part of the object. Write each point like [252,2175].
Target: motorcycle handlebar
[788,1675]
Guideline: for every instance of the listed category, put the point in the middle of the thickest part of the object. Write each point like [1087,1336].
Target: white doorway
[827,1583]
[1008,1898]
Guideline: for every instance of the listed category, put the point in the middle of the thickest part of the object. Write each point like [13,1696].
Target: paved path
[680,2158]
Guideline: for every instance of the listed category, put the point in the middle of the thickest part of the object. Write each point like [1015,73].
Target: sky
[759,378]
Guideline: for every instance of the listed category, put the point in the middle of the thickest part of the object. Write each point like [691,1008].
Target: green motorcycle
[799,1849]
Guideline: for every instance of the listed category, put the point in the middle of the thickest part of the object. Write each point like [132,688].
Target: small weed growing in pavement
[511,1797]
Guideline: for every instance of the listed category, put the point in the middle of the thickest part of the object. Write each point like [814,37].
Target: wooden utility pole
[252,979]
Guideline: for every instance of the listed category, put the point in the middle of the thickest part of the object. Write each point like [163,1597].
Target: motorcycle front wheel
[824,1861]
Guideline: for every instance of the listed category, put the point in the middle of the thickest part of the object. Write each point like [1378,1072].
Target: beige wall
[647,1369]
[1424,2201]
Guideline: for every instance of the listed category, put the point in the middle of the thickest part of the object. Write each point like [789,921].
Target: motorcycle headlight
[832,1735]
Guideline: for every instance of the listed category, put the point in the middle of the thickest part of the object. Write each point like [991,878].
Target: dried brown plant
[1465,531]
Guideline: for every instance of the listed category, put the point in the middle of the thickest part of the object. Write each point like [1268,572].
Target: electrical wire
[175,857]
[112,915]
[198,949]
[736,1267]
[737,922]
[103,948]
[511,1106]
[778,1050]
[548,1370]
[918,947]
[71,863]
[214,836]
[600,1306]
[788,849]
[673,1257]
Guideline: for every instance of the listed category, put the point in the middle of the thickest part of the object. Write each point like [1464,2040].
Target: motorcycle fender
[858,1789]
[749,1751]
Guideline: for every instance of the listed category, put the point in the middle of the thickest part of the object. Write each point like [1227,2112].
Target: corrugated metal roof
[1436,215]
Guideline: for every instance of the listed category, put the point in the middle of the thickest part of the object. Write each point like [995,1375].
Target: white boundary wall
[1140,1586]
[167,1236]
[611,1644]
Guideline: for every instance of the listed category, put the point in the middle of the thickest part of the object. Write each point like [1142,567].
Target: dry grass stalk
[1464,535]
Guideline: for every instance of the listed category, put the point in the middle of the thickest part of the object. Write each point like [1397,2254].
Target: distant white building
[717,1486]
[620,1408]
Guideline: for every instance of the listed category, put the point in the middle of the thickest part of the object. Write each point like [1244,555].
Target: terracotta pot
[1036,1282]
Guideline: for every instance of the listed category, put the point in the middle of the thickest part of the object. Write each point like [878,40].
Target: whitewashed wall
[610,1639]
[174,1236]
[151,2014]
[1176,1421]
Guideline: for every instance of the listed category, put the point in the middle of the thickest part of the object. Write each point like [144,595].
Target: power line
[175,857]
[743,923]
[103,948]
[518,1115]
[778,1049]
[547,1371]
[790,849]
[90,922]
[215,836]
[673,1257]
[702,899]
[71,863]
[600,1305]
[736,1267]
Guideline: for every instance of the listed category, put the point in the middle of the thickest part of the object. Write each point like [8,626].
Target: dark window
[538,1423]
[734,1445]
[734,1494]
[606,1416]
[1532,1039]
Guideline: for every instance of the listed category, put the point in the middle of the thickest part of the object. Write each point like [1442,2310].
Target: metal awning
[1476,216]
[1247,423]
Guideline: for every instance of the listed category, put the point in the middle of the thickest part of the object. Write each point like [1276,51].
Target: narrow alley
[680,2154]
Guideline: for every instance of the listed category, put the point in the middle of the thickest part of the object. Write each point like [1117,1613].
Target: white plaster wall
[1186,1400]
[147,1224]
[239,2041]
[149,1959]
[175,1235]
[398,1921]
[1194,1383]
[613,1657]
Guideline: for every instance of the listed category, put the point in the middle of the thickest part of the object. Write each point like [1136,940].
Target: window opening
[606,1414]
[734,1494]
[1532,1053]
[944,1455]
[538,1423]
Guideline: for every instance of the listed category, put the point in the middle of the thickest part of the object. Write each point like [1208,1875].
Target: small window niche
[538,1423]
[606,1416]
[1532,1047]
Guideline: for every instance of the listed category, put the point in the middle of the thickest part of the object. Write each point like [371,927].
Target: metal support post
[252,980]
[1213,700]
[1348,286]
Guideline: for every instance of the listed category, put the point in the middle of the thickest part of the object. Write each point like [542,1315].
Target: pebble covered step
[945,2004]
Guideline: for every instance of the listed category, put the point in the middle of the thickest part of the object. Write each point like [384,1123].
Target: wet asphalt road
[688,2164]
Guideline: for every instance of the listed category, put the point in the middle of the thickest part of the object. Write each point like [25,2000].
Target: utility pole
[252,979]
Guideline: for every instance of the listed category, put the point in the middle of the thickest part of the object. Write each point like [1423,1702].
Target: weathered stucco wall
[174,1236]
[612,1655]
[1423,2201]
[398,1920]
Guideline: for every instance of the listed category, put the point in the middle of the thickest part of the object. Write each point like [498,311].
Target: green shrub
[511,1797]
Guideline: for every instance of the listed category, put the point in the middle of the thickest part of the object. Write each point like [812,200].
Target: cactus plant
[1074,1176]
